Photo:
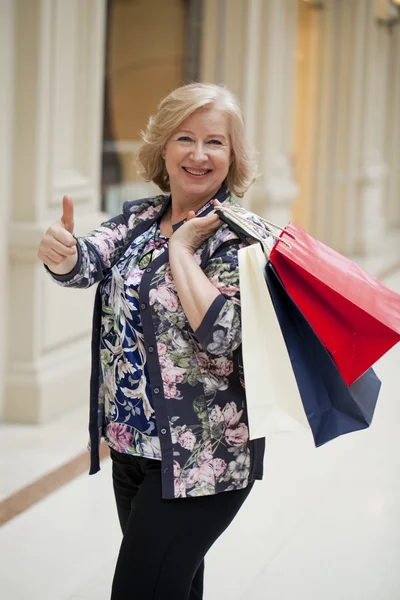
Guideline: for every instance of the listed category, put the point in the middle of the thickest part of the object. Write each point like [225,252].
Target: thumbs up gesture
[57,247]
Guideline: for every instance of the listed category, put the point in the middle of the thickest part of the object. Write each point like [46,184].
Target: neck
[180,206]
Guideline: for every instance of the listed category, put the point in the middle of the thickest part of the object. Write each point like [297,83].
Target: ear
[163,153]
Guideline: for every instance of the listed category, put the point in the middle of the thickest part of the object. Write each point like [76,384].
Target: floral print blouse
[193,380]
[130,424]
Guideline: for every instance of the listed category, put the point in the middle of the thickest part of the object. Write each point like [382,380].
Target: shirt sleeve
[97,252]
[219,333]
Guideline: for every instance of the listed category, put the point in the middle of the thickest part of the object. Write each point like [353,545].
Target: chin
[202,187]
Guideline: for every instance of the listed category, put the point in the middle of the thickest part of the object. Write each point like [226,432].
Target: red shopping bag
[356,317]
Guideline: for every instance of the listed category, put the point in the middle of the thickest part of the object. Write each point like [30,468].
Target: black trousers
[164,541]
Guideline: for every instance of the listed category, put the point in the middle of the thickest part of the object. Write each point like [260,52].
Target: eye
[217,142]
[184,138]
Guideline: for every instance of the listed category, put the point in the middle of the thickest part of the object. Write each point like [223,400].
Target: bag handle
[242,235]
[240,224]
[268,225]
[245,229]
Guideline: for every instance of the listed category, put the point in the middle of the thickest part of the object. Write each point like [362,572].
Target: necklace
[167,220]
[146,257]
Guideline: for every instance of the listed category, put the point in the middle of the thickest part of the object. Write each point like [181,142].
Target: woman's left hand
[195,231]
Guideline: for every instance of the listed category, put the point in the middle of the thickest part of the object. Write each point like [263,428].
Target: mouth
[196,173]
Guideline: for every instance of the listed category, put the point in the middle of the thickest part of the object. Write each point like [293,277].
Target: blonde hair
[172,111]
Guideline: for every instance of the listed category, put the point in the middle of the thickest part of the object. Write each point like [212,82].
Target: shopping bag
[272,395]
[356,317]
[332,407]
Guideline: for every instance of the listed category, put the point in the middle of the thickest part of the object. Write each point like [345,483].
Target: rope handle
[234,217]
[268,224]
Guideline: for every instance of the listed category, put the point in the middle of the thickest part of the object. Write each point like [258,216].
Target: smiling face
[198,155]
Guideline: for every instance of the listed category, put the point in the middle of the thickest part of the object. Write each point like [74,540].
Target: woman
[167,389]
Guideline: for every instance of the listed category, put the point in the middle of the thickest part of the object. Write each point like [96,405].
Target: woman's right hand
[57,247]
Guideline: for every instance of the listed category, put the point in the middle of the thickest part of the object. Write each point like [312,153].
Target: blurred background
[319,83]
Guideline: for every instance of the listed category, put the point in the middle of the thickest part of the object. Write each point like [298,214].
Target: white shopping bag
[273,400]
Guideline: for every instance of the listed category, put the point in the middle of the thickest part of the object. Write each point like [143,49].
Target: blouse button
[163,431]
[156,390]
[143,306]
[149,270]
[151,349]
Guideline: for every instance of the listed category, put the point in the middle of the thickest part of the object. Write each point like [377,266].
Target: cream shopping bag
[273,400]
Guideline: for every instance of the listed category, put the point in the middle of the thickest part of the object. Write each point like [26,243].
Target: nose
[199,152]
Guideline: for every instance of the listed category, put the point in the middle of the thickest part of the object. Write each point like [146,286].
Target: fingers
[192,214]
[68,214]
[48,255]
[56,245]
[59,239]
[51,257]
[54,257]
[213,220]
[210,222]
[49,263]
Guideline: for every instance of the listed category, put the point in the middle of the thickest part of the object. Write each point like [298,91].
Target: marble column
[249,46]
[374,169]
[6,119]
[335,216]
[58,96]
[392,195]
[350,168]
[276,190]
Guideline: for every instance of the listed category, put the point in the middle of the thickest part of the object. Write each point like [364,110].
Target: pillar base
[36,394]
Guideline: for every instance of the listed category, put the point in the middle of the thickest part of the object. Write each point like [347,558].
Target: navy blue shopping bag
[332,408]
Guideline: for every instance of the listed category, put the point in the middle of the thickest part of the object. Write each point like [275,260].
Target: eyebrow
[212,135]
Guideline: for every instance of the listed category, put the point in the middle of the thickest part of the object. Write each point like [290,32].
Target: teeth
[196,172]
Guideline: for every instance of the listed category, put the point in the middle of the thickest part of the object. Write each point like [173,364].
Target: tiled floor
[324,523]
